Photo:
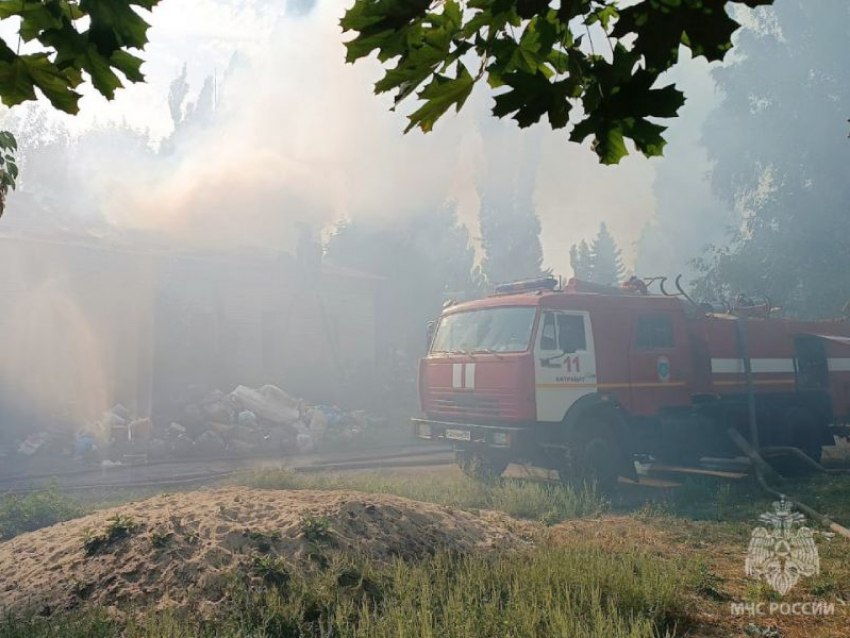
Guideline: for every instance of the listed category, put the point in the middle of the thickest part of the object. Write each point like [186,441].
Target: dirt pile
[184,549]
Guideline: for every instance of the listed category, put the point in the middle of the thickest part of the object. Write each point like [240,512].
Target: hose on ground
[759,465]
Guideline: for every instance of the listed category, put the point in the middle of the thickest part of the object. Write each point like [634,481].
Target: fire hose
[760,466]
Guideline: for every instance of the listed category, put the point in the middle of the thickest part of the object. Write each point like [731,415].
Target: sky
[307,140]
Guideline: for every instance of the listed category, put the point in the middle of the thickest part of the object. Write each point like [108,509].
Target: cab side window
[548,335]
[571,336]
[654,332]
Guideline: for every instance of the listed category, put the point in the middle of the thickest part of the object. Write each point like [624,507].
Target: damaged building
[87,323]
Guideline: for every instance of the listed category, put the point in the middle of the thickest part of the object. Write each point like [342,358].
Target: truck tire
[484,466]
[593,455]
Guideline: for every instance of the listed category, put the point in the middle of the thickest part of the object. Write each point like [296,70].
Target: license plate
[459,435]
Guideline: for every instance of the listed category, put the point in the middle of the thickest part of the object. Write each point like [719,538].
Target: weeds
[161,538]
[263,540]
[316,529]
[119,527]
[581,592]
[271,569]
[191,537]
[21,513]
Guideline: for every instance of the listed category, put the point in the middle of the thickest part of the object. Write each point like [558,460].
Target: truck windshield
[505,329]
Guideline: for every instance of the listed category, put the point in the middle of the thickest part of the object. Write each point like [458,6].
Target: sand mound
[181,548]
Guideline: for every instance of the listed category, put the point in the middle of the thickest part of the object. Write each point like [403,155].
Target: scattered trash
[32,443]
[270,403]
[210,423]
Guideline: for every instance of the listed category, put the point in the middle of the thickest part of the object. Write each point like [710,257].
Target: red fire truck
[584,378]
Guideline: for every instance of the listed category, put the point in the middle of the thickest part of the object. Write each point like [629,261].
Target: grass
[21,513]
[744,501]
[520,499]
[676,562]
[579,591]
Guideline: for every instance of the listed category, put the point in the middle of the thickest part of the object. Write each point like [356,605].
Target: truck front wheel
[592,456]
[481,465]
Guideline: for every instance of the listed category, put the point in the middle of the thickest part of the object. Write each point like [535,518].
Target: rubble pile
[250,421]
[206,423]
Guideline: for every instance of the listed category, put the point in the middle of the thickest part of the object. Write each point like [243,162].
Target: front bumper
[497,436]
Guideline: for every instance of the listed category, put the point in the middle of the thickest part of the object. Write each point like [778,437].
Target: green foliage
[316,529]
[76,39]
[263,540]
[581,261]
[544,57]
[510,237]
[89,37]
[578,591]
[8,166]
[119,528]
[191,537]
[271,569]
[601,262]
[778,147]
[21,513]
[160,538]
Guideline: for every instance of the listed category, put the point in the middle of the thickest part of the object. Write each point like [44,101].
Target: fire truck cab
[581,379]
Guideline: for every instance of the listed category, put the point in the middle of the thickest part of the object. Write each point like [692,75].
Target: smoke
[297,136]
[52,363]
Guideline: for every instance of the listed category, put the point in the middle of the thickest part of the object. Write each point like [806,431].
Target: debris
[32,443]
[211,443]
[247,419]
[182,445]
[264,420]
[140,429]
[120,411]
[180,429]
[84,444]
[218,411]
[269,402]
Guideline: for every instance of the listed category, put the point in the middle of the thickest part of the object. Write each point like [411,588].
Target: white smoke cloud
[299,137]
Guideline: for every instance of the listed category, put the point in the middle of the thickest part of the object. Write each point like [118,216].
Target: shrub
[21,513]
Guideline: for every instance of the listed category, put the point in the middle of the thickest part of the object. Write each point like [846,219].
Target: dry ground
[179,549]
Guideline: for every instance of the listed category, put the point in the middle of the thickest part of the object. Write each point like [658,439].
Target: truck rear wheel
[481,465]
[593,456]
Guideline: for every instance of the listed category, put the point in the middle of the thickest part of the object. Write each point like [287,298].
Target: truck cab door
[564,362]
